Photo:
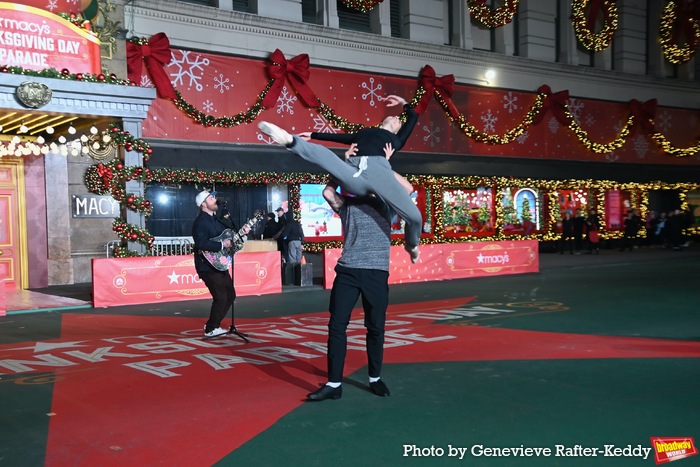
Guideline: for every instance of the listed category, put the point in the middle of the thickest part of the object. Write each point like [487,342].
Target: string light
[493,18]
[361,5]
[595,42]
[671,22]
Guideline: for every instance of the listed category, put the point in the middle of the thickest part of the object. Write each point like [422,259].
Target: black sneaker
[379,388]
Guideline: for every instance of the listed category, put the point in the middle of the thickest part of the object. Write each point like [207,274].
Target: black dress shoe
[379,388]
[326,392]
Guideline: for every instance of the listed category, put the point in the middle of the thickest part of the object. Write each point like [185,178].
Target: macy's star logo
[174,278]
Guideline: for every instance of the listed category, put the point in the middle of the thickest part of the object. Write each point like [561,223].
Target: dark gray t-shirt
[367,225]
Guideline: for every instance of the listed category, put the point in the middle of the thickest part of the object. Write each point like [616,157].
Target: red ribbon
[431,83]
[556,102]
[644,113]
[155,54]
[595,7]
[686,13]
[297,70]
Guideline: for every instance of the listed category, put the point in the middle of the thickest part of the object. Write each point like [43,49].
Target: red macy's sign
[667,449]
[36,40]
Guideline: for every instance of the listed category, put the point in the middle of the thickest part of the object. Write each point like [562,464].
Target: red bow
[156,54]
[297,70]
[556,103]
[644,113]
[431,83]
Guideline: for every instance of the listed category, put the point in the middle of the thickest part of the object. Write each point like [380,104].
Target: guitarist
[220,283]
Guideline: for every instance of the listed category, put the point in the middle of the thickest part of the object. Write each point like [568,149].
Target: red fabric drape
[297,70]
[431,83]
[156,55]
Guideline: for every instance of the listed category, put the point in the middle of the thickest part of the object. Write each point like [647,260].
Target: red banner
[225,86]
[137,280]
[36,40]
[453,261]
[57,6]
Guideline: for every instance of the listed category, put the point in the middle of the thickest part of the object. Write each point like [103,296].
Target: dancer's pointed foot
[413,252]
[277,134]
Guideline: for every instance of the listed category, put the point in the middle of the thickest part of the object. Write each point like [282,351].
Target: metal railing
[162,246]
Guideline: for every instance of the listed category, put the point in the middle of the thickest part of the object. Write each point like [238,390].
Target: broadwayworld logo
[668,449]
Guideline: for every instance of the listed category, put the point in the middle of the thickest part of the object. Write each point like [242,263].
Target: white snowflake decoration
[221,84]
[146,82]
[641,146]
[321,125]
[553,125]
[191,65]
[522,138]
[53,4]
[208,106]
[285,101]
[489,121]
[611,157]
[590,120]
[265,139]
[664,121]
[510,102]
[372,91]
[431,134]
[575,108]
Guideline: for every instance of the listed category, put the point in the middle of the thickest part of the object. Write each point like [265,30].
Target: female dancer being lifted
[369,170]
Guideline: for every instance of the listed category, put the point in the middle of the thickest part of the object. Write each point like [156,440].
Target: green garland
[110,179]
[65,74]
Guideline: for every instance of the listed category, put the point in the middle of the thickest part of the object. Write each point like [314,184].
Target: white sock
[373,380]
[333,385]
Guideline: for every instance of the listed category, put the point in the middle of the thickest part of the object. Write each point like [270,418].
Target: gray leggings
[377,178]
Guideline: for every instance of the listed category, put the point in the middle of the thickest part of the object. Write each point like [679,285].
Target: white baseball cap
[203,195]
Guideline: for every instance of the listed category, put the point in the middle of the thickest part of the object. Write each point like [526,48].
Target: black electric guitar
[221,260]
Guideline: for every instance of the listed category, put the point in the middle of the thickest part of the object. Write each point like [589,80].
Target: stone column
[136,187]
[58,221]
[423,21]
[629,42]
[536,19]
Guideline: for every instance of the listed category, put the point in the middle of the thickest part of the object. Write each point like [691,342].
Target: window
[351,19]
[241,5]
[308,11]
[395,9]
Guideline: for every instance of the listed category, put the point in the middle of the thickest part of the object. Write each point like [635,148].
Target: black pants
[564,241]
[220,285]
[348,285]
